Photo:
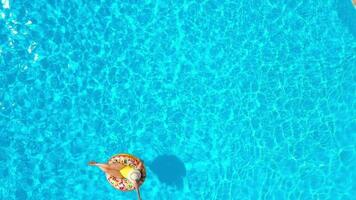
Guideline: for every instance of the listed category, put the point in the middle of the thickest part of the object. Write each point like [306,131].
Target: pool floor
[221,99]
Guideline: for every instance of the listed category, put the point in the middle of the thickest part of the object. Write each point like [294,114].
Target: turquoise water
[254,99]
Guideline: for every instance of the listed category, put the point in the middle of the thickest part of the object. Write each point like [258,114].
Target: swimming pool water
[255,98]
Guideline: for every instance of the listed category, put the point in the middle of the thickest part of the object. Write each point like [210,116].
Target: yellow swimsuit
[126,171]
[131,173]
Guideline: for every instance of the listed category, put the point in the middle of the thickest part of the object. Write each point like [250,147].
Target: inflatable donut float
[124,184]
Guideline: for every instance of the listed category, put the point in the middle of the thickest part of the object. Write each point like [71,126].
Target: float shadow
[169,170]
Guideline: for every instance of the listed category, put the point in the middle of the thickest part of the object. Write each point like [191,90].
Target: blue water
[221,99]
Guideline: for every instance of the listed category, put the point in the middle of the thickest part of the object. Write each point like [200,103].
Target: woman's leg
[117,166]
[111,169]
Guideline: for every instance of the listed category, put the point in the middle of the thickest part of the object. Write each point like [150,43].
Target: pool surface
[221,99]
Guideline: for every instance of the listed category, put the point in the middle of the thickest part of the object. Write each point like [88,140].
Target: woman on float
[121,171]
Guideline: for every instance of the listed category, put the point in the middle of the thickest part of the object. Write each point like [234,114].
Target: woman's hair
[135,175]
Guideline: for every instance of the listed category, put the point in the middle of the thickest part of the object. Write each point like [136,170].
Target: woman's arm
[137,190]
[139,166]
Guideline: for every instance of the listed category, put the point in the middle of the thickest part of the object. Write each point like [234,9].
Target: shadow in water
[347,14]
[169,169]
